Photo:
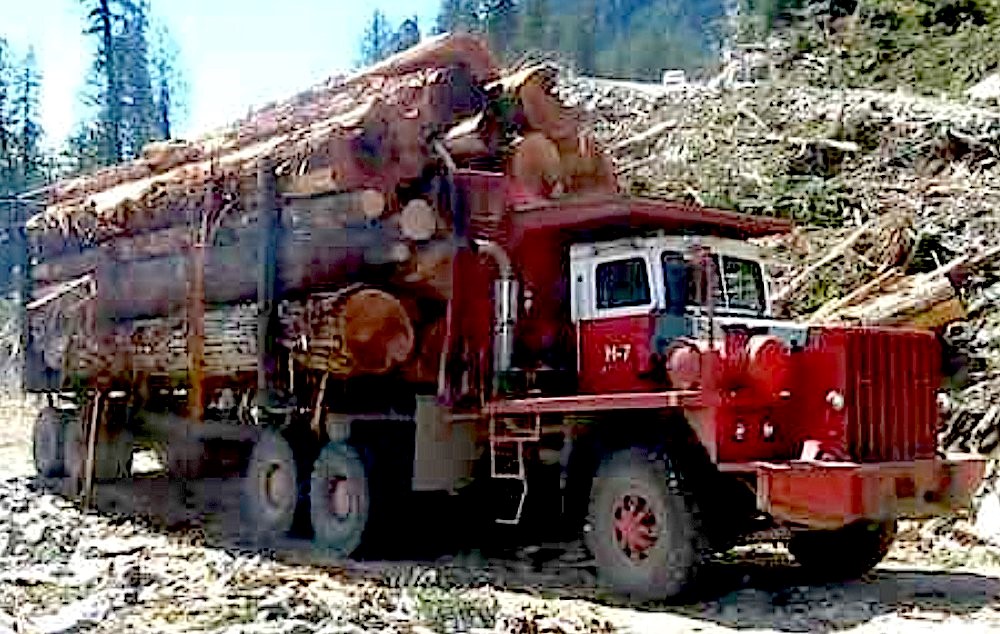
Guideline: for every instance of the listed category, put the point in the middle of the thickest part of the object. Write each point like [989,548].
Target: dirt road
[174,567]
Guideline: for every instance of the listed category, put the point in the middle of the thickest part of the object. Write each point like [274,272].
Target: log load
[376,175]
[378,131]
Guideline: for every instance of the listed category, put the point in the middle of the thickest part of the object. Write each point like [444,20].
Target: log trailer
[566,355]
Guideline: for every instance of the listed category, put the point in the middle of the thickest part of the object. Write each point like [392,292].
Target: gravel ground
[174,566]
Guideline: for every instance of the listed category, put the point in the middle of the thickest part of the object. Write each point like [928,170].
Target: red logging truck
[603,361]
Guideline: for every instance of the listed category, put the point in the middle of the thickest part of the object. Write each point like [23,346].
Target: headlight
[835,400]
[768,430]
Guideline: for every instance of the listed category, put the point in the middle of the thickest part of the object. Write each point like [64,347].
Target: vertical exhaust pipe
[505,298]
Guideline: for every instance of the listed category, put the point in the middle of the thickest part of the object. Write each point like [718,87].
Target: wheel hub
[339,497]
[635,526]
[278,486]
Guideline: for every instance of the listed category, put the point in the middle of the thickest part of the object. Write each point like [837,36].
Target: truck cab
[825,433]
[632,298]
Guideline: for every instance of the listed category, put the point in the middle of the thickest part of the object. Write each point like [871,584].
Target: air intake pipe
[505,302]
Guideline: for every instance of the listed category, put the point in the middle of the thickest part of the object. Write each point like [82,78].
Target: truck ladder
[513,438]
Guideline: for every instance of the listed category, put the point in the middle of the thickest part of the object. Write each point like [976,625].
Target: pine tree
[84,149]
[534,28]
[169,86]
[134,84]
[7,135]
[30,160]
[376,40]
[501,24]
[407,36]
[470,16]
[164,104]
[448,16]
[139,120]
[103,17]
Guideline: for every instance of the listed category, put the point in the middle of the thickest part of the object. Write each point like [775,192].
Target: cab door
[615,298]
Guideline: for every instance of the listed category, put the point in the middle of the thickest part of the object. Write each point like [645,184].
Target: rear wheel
[48,442]
[339,499]
[270,488]
[112,454]
[845,553]
[643,531]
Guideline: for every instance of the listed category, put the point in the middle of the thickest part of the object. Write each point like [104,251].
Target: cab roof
[607,216]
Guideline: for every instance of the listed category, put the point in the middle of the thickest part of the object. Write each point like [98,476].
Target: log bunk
[144,276]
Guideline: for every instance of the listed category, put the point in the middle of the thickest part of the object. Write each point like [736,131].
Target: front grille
[892,377]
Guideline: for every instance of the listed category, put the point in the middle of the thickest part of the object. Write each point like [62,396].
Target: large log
[324,258]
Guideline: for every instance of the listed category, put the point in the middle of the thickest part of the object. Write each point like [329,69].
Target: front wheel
[643,531]
[339,499]
[844,553]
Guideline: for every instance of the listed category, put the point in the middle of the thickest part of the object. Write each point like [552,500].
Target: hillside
[638,39]
[931,47]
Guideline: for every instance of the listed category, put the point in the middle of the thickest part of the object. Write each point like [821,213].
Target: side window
[745,283]
[622,283]
[673,264]
[677,280]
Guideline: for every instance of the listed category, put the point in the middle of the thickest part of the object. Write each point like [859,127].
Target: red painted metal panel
[615,351]
[596,403]
[892,379]
[830,495]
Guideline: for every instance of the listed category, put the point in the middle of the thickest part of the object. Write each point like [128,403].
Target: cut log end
[378,333]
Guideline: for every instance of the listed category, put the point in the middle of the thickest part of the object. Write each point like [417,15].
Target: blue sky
[236,53]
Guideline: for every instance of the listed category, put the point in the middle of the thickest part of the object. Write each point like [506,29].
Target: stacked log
[160,345]
[354,331]
[376,131]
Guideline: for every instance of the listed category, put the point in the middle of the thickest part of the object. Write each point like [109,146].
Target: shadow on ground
[757,589]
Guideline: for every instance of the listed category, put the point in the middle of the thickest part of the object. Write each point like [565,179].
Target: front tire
[270,488]
[644,532]
[845,553]
[339,499]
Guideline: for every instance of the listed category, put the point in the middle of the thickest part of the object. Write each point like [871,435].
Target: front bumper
[829,495]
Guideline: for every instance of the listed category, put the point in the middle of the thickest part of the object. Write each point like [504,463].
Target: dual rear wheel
[59,449]
[339,497]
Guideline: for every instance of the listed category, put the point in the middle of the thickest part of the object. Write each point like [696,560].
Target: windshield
[739,283]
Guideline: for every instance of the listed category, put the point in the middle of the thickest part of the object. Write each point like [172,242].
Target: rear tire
[270,488]
[48,443]
[112,454]
[846,553]
[339,499]
[644,532]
